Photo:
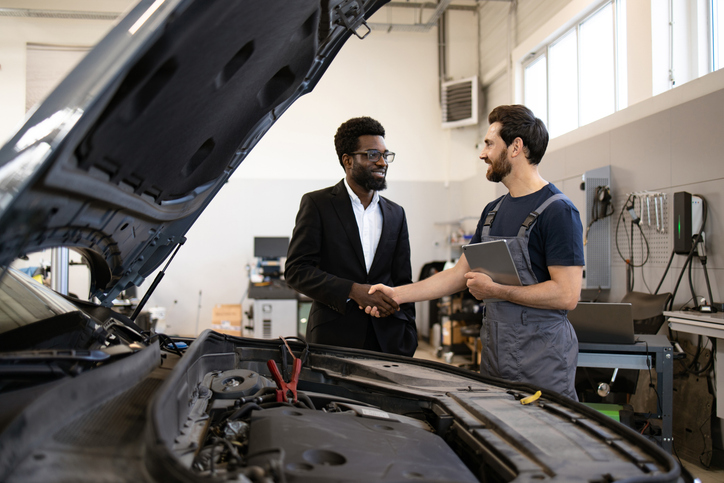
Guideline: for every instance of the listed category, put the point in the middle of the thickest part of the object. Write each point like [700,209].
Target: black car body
[118,163]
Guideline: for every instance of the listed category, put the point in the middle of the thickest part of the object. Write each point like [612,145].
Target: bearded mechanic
[526,335]
[348,237]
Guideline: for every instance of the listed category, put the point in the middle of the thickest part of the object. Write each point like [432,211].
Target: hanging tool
[656,212]
[663,216]
[648,209]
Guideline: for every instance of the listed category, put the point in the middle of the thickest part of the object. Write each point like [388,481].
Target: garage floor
[714,474]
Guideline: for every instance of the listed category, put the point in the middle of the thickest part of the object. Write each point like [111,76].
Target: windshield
[24,301]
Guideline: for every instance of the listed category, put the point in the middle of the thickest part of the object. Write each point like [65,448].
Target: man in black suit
[347,237]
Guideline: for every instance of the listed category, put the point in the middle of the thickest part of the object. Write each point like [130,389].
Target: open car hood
[121,159]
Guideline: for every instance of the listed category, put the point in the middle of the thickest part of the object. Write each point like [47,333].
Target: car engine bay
[360,418]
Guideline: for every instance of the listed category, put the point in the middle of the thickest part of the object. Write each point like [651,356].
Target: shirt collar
[355,199]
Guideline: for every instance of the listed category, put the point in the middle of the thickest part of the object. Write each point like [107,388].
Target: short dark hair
[517,121]
[346,140]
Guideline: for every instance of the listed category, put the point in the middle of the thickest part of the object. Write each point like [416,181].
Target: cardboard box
[226,319]
[451,332]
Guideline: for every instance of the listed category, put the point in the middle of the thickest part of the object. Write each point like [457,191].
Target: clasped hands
[480,285]
[369,297]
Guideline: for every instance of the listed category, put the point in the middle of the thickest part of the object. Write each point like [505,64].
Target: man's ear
[516,147]
[347,161]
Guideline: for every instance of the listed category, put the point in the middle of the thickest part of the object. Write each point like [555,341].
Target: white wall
[15,33]
[390,77]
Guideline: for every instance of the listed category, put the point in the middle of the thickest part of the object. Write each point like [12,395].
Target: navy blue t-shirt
[555,239]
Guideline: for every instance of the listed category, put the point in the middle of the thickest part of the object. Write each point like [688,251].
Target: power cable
[668,265]
[629,206]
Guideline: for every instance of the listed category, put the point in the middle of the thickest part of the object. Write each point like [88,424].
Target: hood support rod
[155,283]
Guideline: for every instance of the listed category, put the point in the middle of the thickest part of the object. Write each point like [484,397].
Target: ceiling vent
[460,102]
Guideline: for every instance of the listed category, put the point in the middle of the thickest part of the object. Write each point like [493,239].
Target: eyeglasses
[373,155]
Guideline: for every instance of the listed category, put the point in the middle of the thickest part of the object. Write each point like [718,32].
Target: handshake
[382,301]
[376,300]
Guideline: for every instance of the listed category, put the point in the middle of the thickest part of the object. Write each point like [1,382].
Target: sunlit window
[597,71]
[717,28]
[585,70]
[563,85]
[536,87]
[586,67]
[621,56]
[687,41]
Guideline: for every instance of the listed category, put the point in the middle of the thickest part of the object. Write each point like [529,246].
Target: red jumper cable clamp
[286,390]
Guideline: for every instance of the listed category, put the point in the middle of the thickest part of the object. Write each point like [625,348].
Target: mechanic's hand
[368,298]
[380,289]
[480,285]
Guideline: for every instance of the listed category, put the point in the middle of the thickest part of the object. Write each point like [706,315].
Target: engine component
[237,383]
[313,446]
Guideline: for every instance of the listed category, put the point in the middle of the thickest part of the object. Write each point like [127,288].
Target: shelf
[456,222]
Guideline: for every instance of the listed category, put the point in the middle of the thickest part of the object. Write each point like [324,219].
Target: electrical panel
[688,217]
[597,274]
[682,223]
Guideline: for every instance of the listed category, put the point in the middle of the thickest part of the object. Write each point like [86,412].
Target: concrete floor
[713,474]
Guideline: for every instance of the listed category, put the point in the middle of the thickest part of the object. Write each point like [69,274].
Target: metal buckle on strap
[530,219]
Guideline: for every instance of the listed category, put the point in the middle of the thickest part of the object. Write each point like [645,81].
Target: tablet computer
[493,258]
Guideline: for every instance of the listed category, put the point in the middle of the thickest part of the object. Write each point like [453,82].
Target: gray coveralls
[526,344]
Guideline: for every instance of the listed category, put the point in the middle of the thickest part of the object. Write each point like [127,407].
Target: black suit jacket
[325,258]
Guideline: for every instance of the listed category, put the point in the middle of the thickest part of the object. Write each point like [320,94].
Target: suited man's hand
[384,305]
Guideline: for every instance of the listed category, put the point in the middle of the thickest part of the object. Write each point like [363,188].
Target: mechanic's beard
[499,168]
[366,180]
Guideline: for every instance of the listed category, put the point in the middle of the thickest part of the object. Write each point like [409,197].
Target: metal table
[710,325]
[649,352]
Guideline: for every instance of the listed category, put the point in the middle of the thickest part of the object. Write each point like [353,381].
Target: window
[717,27]
[585,78]
[536,86]
[563,85]
[597,71]
[687,41]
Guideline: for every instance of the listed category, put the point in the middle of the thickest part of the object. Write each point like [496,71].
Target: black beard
[500,168]
[366,180]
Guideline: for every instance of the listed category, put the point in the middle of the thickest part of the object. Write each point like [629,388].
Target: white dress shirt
[369,223]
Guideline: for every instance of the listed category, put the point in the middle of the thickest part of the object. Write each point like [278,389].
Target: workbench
[650,352]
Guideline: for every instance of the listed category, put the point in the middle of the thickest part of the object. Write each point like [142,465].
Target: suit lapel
[387,236]
[343,206]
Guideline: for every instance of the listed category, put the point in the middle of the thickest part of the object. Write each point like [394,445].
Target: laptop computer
[603,323]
